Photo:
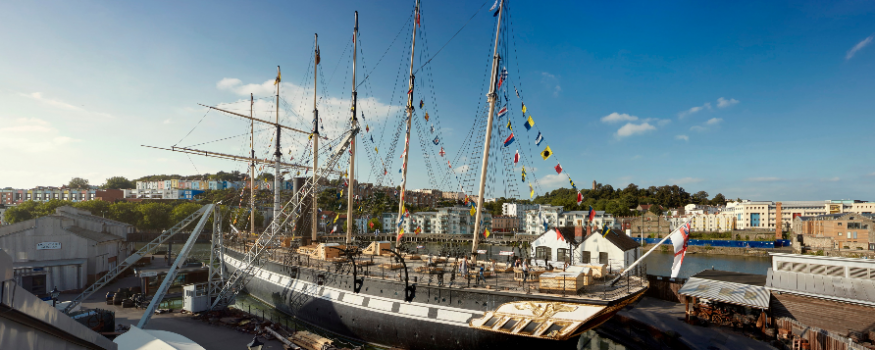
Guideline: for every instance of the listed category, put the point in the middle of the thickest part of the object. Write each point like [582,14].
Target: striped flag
[679,239]
[502,112]
[516,157]
[539,139]
[509,140]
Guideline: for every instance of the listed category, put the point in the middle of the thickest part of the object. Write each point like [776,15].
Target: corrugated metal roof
[727,292]
[850,290]
[92,235]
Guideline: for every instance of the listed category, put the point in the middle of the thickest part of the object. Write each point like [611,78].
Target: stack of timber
[567,282]
[429,269]
[322,251]
[376,248]
[312,341]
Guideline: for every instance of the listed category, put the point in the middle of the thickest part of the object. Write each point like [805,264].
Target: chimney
[593,185]
[778,224]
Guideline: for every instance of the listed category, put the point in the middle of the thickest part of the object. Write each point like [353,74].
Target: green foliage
[182,211]
[377,224]
[718,200]
[78,183]
[118,183]
[125,212]
[654,208]
[95,207]
[154,216]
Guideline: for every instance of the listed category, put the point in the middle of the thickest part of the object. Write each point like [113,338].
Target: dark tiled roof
[622,241]
[736,277]
[568,234]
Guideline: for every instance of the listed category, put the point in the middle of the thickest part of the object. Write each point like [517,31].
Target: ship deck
[599,291]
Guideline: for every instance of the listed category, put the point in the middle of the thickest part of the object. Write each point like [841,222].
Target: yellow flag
[473,210]
[376,150]
[400,233]
[546,153]
[531,191]
[335,218]
[531,122]
[278,76]
[524,108]
[486,232]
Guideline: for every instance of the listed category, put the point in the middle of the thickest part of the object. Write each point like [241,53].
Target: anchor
[357,282]
[409,291]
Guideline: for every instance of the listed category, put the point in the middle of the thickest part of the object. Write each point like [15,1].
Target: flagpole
[277,155]
[252,167]
[407,138]
[351,189]
[492,97]
[315,135]
[629,268]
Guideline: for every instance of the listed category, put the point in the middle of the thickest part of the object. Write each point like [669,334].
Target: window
[543,253]
[562,254]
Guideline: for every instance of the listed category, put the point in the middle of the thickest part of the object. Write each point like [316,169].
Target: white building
[448,220]
[518,211]
[69,249]
[615,250]
[718,222]
[762,214]
[702,209]
[556,217]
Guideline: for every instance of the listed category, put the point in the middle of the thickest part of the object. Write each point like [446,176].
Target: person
[492,267]
[453,274]
[463,268]
[430,263]
[481,277]
[525,268]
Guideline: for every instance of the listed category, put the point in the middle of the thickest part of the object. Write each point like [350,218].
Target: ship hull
[437,319]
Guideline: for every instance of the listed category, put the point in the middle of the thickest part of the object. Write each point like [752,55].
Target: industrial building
[69,249]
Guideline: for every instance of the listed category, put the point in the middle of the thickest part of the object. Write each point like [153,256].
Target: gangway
[253,259]
[149,248]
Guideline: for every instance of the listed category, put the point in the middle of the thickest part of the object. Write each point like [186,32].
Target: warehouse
[69,249]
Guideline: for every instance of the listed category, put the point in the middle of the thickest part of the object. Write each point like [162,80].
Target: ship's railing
[372,267]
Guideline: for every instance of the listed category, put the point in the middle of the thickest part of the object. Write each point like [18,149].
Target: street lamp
[254,344]
[55,294]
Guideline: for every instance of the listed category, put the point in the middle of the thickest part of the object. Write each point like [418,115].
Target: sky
[758,100]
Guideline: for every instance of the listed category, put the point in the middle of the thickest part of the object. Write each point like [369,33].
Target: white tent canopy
[142,339]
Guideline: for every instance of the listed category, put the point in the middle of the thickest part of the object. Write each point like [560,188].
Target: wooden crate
[322,251]
[391,266]
[533,275]
[559,281]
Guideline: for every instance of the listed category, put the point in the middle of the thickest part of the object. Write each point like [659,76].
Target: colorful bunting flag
[442,153]
[473,210]
[367,128]
[516,157]
[508,126]
[517,92]
[421,104]
[426,116]
[509,140]
[502,77]
[524,108]
[531,191]
[579,198]
[432,129]
[436,141]
[558,168]
[546,153]
[502,112]
[486,232]
[278,76]
[539,139]
[529,123]
[524,173]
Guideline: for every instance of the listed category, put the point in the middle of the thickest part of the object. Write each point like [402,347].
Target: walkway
[668,316]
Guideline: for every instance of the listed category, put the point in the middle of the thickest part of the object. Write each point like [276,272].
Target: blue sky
[759,100]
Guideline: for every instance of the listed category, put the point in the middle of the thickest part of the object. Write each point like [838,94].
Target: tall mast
[492,97]
[277,155]
[350,191]
[315,135]
[409,117]
[251,167]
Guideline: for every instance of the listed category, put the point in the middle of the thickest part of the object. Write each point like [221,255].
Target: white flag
[679,239]
[494,6]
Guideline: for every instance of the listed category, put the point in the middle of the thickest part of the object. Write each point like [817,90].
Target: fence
[723,243]
[818,339]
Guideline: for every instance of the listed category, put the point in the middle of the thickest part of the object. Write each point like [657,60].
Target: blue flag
[539,139]
[509,140]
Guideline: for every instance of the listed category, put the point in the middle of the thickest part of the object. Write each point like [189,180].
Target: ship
[372,292]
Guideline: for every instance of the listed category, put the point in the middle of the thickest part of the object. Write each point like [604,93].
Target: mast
[251,167]
[315,136]
[407,137]
[492,97]
[350,191]
[277,155]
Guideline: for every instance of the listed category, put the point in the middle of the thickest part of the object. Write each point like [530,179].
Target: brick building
[846,230]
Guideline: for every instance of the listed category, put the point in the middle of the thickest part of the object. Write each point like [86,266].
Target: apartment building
[555,216]
[847,229]
[763,214]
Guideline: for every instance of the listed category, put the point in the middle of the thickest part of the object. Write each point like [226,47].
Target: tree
[48,207]
[377,225]
[118,183]
[155,216]
[182,211]
[125,212]
[95,207]
[78,183]
[718,200]
[19,213]
[700,198]
[654,208]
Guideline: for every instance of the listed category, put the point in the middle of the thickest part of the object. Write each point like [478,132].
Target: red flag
[417,18]
[442,153]
[558,168]
[579,198]
[516,157]
[559,235]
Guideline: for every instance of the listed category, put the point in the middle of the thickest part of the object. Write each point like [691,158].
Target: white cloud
[632,129]
[663,122]
[858,47]
[723,103]
[551,82]
[33,136]
[38,96]
[228,83]
[686,180]
[764,179]
[168,121]
[548,75]
[694,110]
[698,128]
[462,169]
[617,117]
[714,121]
[553,180]
[682,137]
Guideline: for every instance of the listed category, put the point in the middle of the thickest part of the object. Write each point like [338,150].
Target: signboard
[48,245]
[506,253]
[148,273]
[481,251]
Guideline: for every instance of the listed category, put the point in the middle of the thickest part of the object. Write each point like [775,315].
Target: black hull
[392,328]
